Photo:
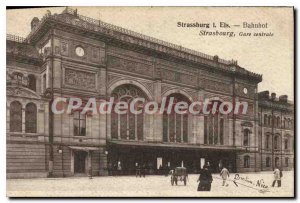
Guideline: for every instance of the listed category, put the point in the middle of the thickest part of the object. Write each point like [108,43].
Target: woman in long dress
[205,179]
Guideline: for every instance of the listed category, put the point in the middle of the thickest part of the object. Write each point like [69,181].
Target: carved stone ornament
[21,92]
[80,79]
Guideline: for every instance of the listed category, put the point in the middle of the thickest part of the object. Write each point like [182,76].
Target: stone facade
[117,58]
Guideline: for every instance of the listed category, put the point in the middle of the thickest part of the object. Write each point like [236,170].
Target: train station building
[69,55]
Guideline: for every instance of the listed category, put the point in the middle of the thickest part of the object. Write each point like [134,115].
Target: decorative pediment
[21,92]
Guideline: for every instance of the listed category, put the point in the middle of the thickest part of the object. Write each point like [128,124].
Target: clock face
[245,90]
[79,51]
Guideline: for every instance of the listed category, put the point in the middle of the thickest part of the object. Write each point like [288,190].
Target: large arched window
[214,126]
[246,161]
[15,113]
[30,118]
[246,137]
[268,162]
[128,126]
[175,126]
[32,82]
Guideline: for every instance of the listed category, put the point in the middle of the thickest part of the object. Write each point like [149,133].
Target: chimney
[264,95]
[273,96]
[34,22]
[283,98]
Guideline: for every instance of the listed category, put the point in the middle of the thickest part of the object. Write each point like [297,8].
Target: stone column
[23,119]
[157,118]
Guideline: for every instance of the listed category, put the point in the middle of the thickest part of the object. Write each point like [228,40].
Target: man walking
[277,177]
[224,174]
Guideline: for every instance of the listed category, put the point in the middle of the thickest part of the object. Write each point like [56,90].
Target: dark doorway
[79,161]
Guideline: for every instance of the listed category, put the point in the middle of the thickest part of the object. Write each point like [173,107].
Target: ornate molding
[80,79]
[114,62]
[21,92]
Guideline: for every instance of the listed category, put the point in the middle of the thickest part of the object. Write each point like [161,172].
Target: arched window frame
[175,126]
[30,118]
[246,137]
[15,113]
[127,126]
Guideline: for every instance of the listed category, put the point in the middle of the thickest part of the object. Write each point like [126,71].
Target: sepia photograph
[151,102]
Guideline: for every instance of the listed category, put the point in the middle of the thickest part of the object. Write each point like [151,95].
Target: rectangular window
[79,124]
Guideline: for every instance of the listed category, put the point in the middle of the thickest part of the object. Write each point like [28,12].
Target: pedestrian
[167,170]
[137,170]
[144,170]
[224,174]
[205,179]
[277,177]
[119,169]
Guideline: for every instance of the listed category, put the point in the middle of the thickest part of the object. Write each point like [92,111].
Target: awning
[84,148]
[174,145]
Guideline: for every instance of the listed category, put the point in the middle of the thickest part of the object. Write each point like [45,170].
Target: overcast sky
[270,56]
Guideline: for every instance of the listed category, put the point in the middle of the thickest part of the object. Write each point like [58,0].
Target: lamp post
[60,151]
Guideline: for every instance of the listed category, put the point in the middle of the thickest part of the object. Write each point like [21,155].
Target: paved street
[151,186]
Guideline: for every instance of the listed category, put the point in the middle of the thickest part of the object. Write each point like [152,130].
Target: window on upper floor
[278,122]
[265,119]
[44,82]
[246,141]
[32,82]
[15,113]
[276,142]
[268,141]
[270,120]
[79,121]
[286,143]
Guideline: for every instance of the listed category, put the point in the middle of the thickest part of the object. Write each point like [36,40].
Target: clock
[79,51]
[245,90]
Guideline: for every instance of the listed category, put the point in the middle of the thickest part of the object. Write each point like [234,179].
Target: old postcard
[150,102]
